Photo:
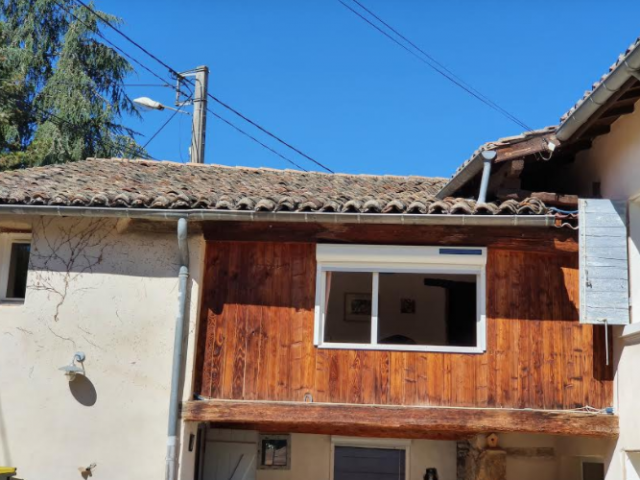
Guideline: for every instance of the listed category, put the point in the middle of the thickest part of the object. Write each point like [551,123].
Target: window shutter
[604,284]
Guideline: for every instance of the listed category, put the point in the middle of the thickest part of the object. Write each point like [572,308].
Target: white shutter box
[604,282]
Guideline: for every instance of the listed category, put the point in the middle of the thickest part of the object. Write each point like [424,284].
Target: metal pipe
[626,69]
[488,156]
[293,217]
[173,430]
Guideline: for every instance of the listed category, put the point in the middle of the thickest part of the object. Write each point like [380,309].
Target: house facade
[207,322]
[330,322]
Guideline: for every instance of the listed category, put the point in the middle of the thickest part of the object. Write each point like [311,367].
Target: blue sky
[320,78]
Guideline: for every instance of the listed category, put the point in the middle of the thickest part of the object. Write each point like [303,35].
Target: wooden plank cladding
[256,339]
[441,423]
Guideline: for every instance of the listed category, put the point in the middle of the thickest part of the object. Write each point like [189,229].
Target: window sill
[401,348]
[12,302]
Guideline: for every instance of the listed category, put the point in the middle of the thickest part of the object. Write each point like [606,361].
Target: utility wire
[137,152]
[116,47]
[439,68]
[238,129]
[175,112]
[434,60]
[147,85]
[128,38]
[246,119]
[177,75]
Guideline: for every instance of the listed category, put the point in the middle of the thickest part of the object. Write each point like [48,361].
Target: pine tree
[62,94]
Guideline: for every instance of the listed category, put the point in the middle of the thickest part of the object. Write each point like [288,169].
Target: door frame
[385,443]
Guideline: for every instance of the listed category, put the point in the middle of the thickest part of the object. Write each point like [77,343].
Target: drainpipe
[488,156]
[171,472]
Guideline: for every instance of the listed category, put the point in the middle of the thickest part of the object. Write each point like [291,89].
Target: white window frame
[6,242]
[377,259]
[384,443]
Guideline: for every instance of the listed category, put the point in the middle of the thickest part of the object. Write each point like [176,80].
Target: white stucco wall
[109,290]
[614,161]
[311,456]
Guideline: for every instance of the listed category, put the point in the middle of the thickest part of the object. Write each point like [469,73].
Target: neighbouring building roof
[609,102]
[167,185]
[619,61]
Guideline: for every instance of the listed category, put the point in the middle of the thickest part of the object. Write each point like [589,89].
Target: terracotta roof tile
[167,185]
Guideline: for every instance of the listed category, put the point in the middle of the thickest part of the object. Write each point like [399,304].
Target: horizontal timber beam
[509,238]
[394,421]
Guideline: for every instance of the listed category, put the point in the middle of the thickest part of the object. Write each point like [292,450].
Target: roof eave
[203,215]
[627,68]
[463,176]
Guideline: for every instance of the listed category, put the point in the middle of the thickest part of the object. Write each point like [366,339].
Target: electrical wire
[177,75]
[508,114]
[135,152]
[113,45]
[147,85]
[128,38]
[171,117]
[440,70]
[262,129]
[238,129]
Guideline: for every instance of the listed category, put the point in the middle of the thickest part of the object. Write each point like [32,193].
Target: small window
[14,266]
[400,298]
[274,452]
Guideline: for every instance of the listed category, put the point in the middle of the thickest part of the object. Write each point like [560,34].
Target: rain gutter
[629,67]
[205,215]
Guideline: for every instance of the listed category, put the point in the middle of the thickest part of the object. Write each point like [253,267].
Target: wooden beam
[618,110]
[509,238]
[560,200]
[586,128]
[522,149]
[395,421]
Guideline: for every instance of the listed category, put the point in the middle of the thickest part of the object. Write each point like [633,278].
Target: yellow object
[7,472]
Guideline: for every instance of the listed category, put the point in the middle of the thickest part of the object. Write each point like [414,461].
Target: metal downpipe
[488,156]
[171,471]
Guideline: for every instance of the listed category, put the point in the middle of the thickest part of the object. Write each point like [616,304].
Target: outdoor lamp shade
[71,371]
[147,102]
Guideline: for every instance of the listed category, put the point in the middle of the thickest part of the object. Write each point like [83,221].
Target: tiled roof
[167,185]
[621,59]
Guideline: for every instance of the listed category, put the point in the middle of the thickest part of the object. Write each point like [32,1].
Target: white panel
[604,274]
[368,254]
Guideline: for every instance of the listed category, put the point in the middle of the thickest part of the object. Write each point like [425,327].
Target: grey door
[355,463]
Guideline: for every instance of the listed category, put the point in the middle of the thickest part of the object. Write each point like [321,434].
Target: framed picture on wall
[357,307]
[408,305]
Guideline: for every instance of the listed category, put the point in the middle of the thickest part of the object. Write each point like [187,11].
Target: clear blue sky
[322,79]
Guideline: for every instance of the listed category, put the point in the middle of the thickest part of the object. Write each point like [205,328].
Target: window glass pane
[18,268]
[348,307]
[274,453]
[426,309]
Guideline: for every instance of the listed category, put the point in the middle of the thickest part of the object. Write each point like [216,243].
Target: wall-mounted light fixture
[72,369]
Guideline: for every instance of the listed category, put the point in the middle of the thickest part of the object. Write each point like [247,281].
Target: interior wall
[427,326]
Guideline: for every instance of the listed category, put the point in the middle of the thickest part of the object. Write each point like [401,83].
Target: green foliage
[61,89]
